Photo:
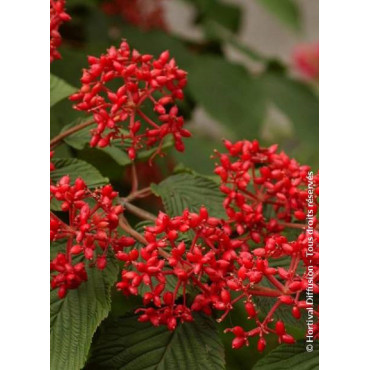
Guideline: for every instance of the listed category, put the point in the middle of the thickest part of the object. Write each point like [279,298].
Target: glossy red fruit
[261,344]
[280,328]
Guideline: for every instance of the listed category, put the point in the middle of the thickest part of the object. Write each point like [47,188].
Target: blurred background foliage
[237,89]
[258,96]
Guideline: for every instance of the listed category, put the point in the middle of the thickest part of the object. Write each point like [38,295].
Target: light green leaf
[229,94]
[287,11]
[190,191]
[130,345]
[76,168]
[75,318]
[290,356]
[59,89]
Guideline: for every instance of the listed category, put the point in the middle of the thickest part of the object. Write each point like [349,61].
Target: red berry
[286,338]
[261,344]
[280,328]
[238,342]
[251,311]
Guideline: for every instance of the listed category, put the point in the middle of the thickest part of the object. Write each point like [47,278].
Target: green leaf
[226,15]
[197,153]
[190,191]
[80,139]
[286,10]
[299,104]
[229,94]
[156,41]
[290,356]
[59,89]
[75,318]
[130,345]
[283,313]
[77,168]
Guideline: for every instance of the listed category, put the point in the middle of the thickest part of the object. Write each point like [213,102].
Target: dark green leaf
[286,10]
[77,168]
[155,42]
[130,345]
[190,191]
[292,357]
[226,15]
[80,139]
[197,153]
[59,89]
[298,102]
[229,94]
[283,313]
[75,318]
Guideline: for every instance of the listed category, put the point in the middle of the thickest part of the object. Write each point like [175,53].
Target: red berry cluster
[234,259]
[165,259]
[118,113]
[145,14]
[57,17]
[268,195]
[255,178]
[90,231]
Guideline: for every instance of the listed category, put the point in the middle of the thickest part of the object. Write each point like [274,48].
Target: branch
[129,230]
[68,132]
[137,211]
[142,193]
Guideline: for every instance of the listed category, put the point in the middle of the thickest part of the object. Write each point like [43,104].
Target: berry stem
[292,225]
[269,315]
[276,283]
[135,181]
[263,291]
[146,118]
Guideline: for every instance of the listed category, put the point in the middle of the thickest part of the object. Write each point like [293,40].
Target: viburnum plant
[193,261]
[139,77]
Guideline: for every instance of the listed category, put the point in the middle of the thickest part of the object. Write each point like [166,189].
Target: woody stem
[145,215]
[138,194]
[125,226]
